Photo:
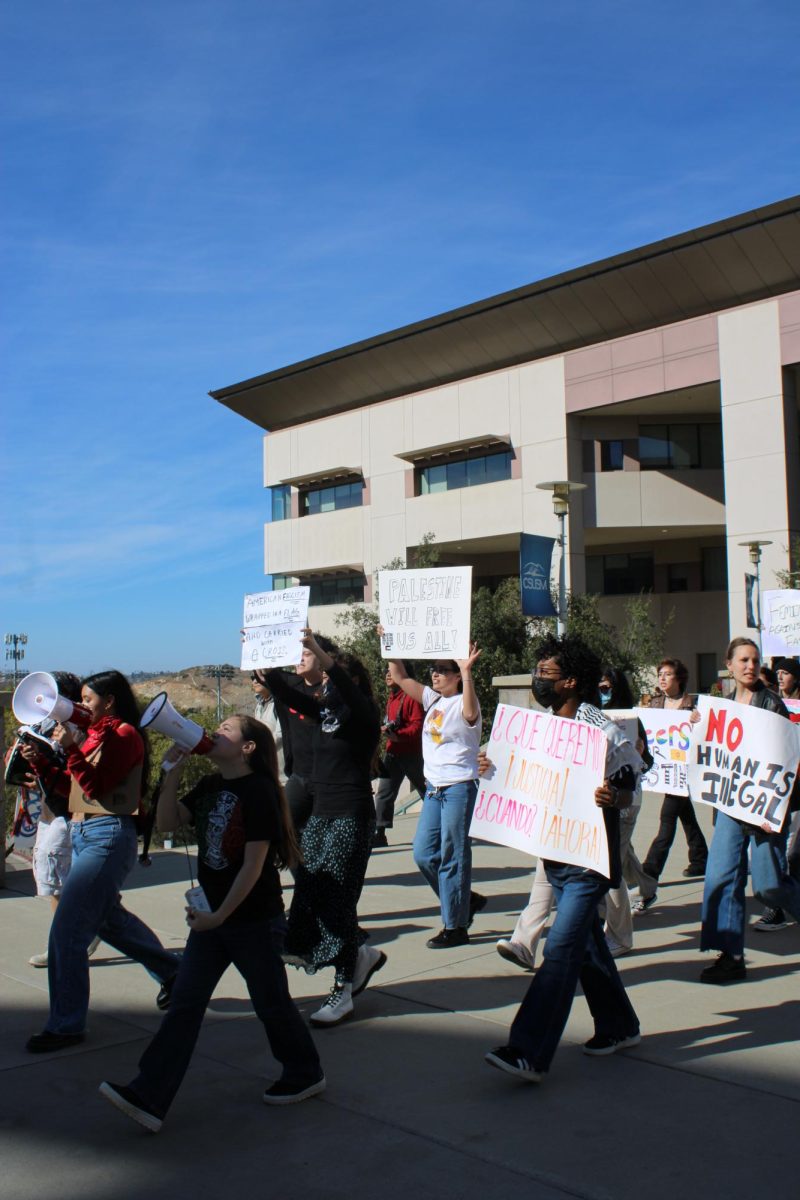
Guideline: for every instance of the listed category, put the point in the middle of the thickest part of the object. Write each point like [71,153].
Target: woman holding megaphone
[107,774]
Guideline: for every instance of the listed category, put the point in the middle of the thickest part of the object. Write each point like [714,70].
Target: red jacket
[123,748]
[407,738]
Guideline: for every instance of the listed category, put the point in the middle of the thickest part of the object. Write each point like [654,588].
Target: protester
[323,921]
[266,711]
[451,736]
[107,777]
[726,872]
[788,675]
[673,677]
[244,834]
[769,678]
[565,682]
[299,730]
[402,758]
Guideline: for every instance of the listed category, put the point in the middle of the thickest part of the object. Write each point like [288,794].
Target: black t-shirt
[228,813]
[298,728]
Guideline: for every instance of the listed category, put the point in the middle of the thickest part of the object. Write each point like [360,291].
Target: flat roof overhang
[743,259]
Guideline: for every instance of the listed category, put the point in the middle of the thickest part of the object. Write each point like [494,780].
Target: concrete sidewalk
[709,1103]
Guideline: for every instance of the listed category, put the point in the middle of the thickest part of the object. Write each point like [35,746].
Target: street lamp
[15,644]
[562,489]
[755,558]
[219,673]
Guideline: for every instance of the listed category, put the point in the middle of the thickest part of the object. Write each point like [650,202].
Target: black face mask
[545,692]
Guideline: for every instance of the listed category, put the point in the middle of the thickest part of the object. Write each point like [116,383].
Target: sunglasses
[442,669]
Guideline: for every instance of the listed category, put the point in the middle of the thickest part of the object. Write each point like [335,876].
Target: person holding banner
[566,683]
[323,919]
[672,679]
[724,916]
[107,773]
[451,737]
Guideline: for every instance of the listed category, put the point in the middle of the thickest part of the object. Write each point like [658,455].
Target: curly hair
[576,660]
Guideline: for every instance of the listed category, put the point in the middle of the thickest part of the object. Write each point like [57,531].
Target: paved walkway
[708,1104]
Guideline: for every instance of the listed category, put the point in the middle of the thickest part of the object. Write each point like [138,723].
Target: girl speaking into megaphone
[107,774]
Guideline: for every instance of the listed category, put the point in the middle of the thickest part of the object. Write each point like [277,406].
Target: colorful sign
[539,795]
[669,734]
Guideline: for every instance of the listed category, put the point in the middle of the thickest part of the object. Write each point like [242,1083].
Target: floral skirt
[323,921]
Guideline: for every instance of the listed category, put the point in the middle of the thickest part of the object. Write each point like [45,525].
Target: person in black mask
[337,839]
[565,681]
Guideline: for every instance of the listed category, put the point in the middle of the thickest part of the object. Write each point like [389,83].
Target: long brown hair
[264,761]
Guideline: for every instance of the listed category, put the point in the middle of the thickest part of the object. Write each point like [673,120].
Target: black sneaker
[287,1092]
[477,903]
[48,1042]
[599,1044]
[379,839]
[694,872]
[127,1101]
[165,994]
[726,969]
[770,920]
[643,903]
[507,1059]
[446,938]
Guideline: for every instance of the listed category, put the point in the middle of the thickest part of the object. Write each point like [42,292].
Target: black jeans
[674,809]
[394,769]
[300,799]
[250,947]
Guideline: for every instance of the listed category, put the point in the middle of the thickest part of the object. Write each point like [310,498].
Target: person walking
[402,758]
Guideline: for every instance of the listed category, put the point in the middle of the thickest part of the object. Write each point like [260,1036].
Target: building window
[281,502]
[715,569]
[336,589]
[612,455]
[469,472]
[619,574]
[680,447]
[330,499]
[678,575]
[281,582]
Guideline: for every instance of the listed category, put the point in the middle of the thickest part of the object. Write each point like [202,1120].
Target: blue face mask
[605,699]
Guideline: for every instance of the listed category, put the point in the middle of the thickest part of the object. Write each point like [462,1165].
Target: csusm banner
[743,761]
[535,558]
[539,797]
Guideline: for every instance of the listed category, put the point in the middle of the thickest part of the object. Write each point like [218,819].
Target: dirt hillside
[191,689]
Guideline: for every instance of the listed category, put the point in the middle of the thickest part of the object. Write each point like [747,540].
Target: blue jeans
[442,849]
[726,879]
[575,950]
[250,946]
[103,855]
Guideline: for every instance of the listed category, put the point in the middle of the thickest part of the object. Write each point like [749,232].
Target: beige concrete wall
[754,447]
[699,625]
[616,499]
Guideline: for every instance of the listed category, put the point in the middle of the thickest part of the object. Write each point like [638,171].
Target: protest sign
[272,629]
[669,732]
[425,613]
[539,797]
[743,761]
[794,709]
[781,615]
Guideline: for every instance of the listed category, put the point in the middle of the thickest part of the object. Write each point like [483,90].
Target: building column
[754,450]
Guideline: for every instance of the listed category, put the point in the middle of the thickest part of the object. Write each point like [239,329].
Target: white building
[665,379]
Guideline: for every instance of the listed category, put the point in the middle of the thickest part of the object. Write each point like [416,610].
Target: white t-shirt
[449,744]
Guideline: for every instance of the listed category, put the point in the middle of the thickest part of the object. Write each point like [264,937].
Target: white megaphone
[161,716]
[37,698]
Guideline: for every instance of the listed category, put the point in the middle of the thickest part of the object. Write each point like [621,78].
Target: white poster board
[273,625]
[780,616]
[539,797]
[425,613]
[669,734]
[743,761]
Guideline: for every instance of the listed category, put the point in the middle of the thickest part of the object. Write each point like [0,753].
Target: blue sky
[195,193]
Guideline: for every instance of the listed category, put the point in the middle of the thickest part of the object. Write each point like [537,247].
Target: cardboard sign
[743,761]
[272,629]
[669,734]
[781,617]
[539,797]
[425,613]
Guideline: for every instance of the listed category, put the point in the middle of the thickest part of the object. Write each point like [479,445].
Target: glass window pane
[683,445]
[715,569]
[498,466]
[356,494]
[312,502]
[437,479]
[456,475]
[594,573]
[711,447]
[612,457]
[476,471]
[654,450]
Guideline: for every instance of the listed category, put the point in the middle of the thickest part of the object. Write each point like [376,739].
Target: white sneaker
[338,1005]
[38,960]
[515,953]
[368,962]
[616,949]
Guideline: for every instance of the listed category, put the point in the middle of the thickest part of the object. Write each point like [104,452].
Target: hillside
[191,689]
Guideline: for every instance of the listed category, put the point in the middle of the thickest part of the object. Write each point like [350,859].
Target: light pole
[219,673]
[562,489]
[15,650]
[755,558]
